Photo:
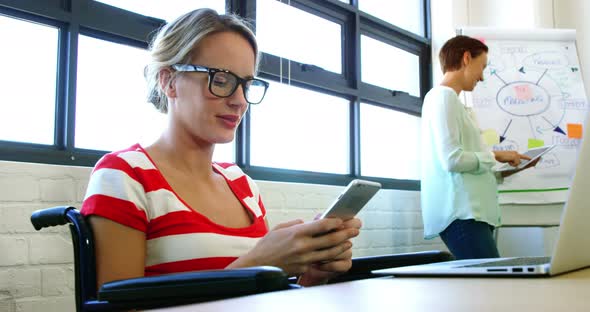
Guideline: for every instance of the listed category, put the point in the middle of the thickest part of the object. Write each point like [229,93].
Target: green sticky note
[490,137]
[536,143]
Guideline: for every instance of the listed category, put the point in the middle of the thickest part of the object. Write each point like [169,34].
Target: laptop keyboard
[512,262]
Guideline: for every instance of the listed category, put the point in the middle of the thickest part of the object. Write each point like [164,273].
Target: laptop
[572,247]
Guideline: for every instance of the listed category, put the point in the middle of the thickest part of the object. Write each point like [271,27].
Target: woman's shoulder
[441,91]
[234,175]
[131,157]
[440,97]
[230,171]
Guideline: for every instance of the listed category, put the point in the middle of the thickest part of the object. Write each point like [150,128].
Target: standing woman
[459,193]
[167,207]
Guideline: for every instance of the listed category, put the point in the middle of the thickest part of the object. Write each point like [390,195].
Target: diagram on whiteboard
[533,95]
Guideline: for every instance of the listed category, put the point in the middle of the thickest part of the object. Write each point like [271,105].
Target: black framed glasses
[223,83]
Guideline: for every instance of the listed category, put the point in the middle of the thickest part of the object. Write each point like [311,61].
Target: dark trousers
[470,239]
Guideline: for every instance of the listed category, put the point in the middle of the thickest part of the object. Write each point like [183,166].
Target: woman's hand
[508,173]
[320,273]
[511,157]
[294,246]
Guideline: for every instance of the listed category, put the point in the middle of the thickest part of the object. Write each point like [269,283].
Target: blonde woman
[168,207]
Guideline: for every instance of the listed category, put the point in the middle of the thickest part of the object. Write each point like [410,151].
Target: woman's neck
[183,154]
[452,79]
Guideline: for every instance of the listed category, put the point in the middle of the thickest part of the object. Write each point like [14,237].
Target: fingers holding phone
[354,197]
[295,245]
[355,223]
[320,272]
[320,248]
[336,259]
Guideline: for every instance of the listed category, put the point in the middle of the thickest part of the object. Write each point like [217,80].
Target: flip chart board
[532,95]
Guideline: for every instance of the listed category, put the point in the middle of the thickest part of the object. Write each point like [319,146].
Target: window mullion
[354,51]
[69,106]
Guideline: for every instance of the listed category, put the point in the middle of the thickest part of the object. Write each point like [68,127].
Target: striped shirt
[126,187]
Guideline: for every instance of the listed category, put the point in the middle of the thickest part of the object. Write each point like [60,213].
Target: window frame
[102,21]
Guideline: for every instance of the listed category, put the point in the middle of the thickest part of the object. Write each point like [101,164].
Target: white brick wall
[36,270]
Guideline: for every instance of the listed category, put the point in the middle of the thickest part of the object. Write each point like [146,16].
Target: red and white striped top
[126,187]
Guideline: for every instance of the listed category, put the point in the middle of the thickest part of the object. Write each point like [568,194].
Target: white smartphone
[352,199]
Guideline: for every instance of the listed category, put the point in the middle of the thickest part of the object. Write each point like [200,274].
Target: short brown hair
[451,53]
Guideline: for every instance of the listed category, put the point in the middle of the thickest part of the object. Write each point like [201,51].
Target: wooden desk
[567,292]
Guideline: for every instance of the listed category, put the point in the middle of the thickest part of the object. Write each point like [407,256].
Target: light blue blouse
[457,181]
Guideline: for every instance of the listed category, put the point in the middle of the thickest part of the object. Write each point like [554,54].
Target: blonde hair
[176,41]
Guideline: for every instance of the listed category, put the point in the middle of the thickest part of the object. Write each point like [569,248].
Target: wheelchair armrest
[189,287]
[368,264]
[362,266]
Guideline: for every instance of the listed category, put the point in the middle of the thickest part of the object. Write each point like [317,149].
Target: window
[301,36]
[390,143]
[166,10]
[389,67]
[29,81]
[285,134]
[111,110]
[120,99]
[346,85]
[407,14]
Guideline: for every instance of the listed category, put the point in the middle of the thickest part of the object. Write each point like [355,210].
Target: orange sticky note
[574,131]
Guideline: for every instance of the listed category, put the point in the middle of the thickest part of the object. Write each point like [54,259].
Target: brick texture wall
[36,268]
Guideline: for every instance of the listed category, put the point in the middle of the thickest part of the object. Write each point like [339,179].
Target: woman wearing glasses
[459,189]
[167,207]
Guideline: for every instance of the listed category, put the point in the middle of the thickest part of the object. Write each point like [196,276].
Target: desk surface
[566,292]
